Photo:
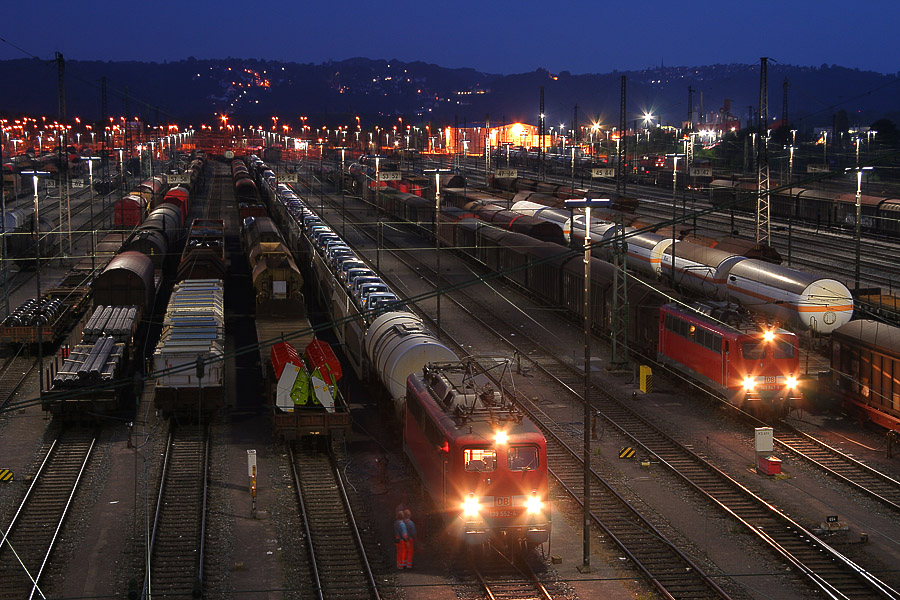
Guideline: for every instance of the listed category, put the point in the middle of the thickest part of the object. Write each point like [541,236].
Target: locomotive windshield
[753,350]
[784,349]
[480,459]
[522,458]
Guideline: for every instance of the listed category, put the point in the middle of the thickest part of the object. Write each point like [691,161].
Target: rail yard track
[15,370]
[29,539]
[814,561]
[338,563]
[179,525]
[504,578]
[846,469]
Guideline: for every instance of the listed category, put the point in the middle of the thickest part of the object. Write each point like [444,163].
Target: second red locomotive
[756,368]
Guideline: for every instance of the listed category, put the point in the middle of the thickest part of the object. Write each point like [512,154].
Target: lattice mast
[620,159]
[763,229]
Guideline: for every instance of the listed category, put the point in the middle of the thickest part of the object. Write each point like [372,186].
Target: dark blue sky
[496,36]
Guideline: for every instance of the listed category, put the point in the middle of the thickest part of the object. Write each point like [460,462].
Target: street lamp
[37,257]
[90,161]
[437,238]
[859,172]
[587,204]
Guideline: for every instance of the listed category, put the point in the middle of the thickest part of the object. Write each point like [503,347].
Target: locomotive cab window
[480,459]
[522,458]
[783,349]
[753,350]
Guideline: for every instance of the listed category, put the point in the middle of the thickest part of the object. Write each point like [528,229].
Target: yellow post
[646,379]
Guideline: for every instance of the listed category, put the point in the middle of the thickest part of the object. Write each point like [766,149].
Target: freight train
[101,375]
[483,463]
[555,275]
[879,214]
[865,365]
[23,236]
[801,300]
[300,373]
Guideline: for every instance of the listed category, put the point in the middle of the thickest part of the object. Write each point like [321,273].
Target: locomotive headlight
[791,382]
[470,506]
[501,438]
[769,336]
[533,505]
[749,384]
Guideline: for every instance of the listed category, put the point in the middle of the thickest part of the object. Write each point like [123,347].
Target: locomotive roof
[722,316]
[469,398]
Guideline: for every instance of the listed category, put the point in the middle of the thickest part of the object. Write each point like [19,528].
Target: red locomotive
[754,367]
[483,463]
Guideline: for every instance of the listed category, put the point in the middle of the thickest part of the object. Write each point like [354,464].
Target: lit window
[480,459]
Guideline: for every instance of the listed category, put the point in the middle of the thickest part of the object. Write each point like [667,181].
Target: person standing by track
[401,539]
[411,537]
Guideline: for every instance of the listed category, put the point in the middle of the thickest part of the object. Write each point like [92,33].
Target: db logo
[770,379]
[503,501]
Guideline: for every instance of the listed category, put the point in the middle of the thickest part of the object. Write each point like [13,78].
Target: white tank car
[698,268]
[399,344]
[806,301]
[601,231]
[645,251]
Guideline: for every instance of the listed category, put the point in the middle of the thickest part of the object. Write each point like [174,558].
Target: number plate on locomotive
[503,513]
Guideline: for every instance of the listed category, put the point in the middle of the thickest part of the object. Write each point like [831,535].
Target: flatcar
[303,393]
[865,363]
[96,376]
[188,362]
[204,251]
[483,463]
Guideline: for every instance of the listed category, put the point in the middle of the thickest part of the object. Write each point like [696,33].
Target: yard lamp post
[587,204]
[90,161]
[859,173]
[37,272]
[437,239]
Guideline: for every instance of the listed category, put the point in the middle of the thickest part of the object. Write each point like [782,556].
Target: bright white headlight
[470,506]
[749,384]
[533,505]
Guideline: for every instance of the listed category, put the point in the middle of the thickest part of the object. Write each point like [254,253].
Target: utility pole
[61,84]
[63,169]
[620,297]
[763,227]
